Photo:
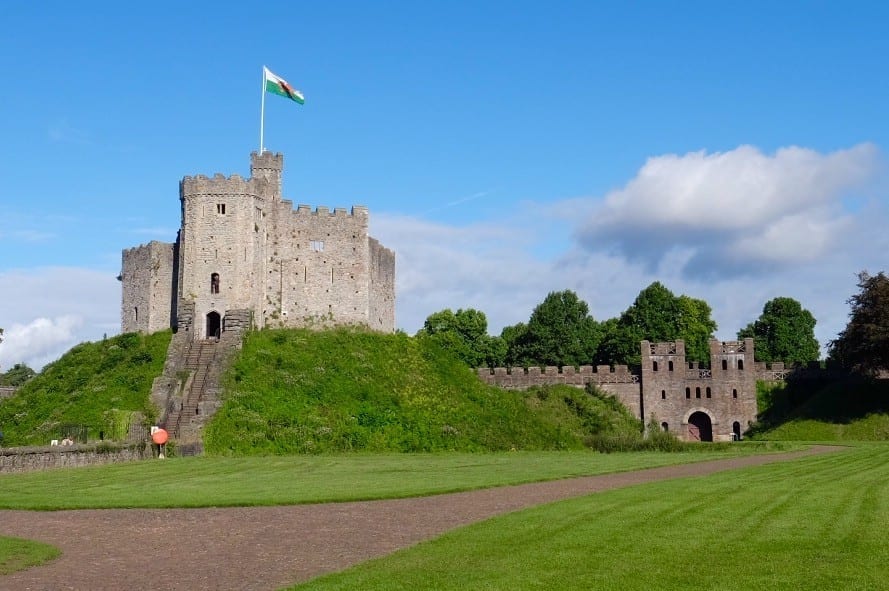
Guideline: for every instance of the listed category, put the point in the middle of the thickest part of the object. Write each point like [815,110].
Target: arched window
[663,394]
[698,392]
[708,392]
[688,392]
[740,364]
[724,364]
[214,283]
[654,365]
[670,365]
[665,426]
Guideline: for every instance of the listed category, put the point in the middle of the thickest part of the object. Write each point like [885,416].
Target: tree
[559,332]
[864,344]
[785,331]
[17,375]
[657,316]
[695,327]
[465,333]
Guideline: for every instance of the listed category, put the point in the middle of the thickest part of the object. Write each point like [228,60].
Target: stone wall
[667,389]
[382,287]
[147,301]
[6,391]
[31,459]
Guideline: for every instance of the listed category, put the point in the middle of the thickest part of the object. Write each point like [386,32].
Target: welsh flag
[277,85]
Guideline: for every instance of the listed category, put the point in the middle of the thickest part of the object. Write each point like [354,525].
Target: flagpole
[262,113]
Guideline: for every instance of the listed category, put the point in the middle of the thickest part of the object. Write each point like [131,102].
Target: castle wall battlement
[219,185]
[521,378]
[322,210]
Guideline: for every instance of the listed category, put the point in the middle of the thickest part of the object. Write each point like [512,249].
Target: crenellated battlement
[322,210]
[520,378]
[218,184]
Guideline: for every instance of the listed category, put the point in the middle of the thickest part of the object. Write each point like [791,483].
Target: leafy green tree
[559,332]
[465,333]
[864,344]
[695,327]
[513,338]
[17,375]
[785,331]
[657,315]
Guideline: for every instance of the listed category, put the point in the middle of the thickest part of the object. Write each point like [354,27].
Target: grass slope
[847,410]
[18,554]
[301,391]
[815,523]
[253,481]
[82,388]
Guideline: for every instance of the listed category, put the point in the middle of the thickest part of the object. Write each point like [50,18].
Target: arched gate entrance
[214,325]
[699,427]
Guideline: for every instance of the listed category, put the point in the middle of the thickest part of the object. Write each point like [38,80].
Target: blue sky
[505,149]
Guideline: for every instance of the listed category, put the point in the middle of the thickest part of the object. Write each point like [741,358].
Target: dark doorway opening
[214,325]
[736,431]
[699,427]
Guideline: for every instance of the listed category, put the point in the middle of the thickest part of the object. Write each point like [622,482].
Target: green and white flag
[277,85]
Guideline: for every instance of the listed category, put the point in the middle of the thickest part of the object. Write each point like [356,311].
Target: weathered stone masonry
[242,247]
[710,404]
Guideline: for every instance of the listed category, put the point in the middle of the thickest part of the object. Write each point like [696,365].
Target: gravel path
[266,548]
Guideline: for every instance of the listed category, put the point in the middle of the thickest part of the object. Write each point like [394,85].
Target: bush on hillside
[81,387]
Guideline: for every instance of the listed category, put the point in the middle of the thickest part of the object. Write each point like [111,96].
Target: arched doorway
[736,431]
[214,325]
[699,427]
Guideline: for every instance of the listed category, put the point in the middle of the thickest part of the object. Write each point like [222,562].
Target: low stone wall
[6,392]
[520,378]
[31,459]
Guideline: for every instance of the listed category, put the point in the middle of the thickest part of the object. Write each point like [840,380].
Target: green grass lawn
[17,554]
[815,523]
[220,481]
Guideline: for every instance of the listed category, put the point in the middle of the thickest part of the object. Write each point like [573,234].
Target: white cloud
[781,247]
[47,310]
[740,210]
[39,342]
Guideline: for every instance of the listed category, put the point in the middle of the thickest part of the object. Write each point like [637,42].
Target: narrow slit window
[698,392]
[214,283]
[663,394]
[709,394]
[654,366]
[220,208]
[669,366]
[734,392]
[688,392]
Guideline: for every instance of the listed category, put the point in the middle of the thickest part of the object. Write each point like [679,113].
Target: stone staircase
[200,360]
[189,389]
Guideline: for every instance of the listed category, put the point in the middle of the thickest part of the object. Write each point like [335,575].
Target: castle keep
[699,404]
[244,255]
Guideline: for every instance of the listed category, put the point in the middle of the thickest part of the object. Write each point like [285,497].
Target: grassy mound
[300,391]
[846,410]
[94,387]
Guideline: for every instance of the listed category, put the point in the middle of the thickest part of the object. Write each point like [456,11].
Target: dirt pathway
[266,548]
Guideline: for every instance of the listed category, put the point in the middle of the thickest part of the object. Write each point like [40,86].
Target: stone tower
[242,247]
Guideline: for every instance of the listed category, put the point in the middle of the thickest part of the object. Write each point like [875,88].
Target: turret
[268,166]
